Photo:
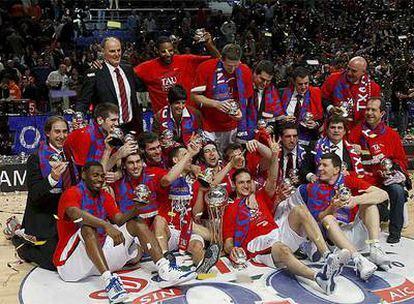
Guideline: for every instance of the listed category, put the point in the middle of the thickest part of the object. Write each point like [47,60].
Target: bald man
[116,83]
[346,92]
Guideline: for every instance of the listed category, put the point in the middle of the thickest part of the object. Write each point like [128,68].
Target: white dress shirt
[292,104]
[285,160]
[118,94]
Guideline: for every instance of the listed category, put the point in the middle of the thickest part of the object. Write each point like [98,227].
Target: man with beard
[174,226]
[221,90]
[181,120]
[249,229]
[378,142]
[153,154]
[302,104]
[333,142]
[161,73]
[95,238]
[49,172]
[346,93]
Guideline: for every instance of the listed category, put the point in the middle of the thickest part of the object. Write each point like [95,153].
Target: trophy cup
[167,138]
[78,119]
[54,158]
[288,182]
[240,261]
[205,178]
[386,167]
[261,124]
[307,118]
[199,35]
[234,107]
[294,177]
[142,194]
[344,194]
[117,138]
[217,200]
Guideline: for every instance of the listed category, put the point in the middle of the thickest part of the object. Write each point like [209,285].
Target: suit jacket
[309,165]
[98,87]
[41,205]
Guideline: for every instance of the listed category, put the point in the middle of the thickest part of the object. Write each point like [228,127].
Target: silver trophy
[234,107]
[344,194]
[55,158]
[205,178]
[288,182]
[117,137]
[167,138]
[142,194]
[294,176]
[386,167]
[344,166]
[200,35]
[308,117]
[131,136]
[241,259]
[261,124]
[217,200]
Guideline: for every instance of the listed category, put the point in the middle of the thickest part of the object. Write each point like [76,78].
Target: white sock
[106,276]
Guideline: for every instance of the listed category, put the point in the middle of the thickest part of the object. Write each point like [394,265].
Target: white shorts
[175,238]
[78,265]
[284,234]
[223,139]
[357,233]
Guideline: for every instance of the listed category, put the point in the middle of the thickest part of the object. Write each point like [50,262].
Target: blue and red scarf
[320,196]
[97,146]
[93,205]
[323,146]
[222,92]
[188,125]
[287,96]
[44,152]
[368,134]
[181,194]
[242,223]
[272,105]
[125,194]
[343,94]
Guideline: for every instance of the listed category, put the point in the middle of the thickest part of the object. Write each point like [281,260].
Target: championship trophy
[142,194]
[167,138]
[117,138]
[205,178]
[54,158]
[307,118]
[199,35]
[234,107]
[288,182]
[261,124]
[79,119]
[294,177]
[386,167]
[344,194]
[346,108]
[217,200]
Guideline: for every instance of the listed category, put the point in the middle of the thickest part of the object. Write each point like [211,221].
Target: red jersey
[386,145]
[261,222]
[159,77]
[334,90]
[171,213]
[66,227]
[215,120]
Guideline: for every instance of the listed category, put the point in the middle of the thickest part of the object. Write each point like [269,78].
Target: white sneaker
[311,251]
[334,263]
[115,290]
[171,275]
[364,267]
[378,256]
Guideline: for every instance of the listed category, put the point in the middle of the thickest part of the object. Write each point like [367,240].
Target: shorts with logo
[78,265]
[175,238]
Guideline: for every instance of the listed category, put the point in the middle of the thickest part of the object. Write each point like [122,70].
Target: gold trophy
[217,200]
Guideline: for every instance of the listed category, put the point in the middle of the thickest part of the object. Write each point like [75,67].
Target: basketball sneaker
[378,256]
[115,290]
[171,275]
[211,256]
[363,266]
[332,267]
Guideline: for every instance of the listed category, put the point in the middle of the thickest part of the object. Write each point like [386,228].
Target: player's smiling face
[166,52]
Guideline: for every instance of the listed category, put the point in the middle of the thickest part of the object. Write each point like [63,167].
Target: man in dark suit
[291,154]
[333,142]
[48,173]
[115,83]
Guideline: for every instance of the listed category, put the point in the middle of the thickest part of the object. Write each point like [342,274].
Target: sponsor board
[264,285]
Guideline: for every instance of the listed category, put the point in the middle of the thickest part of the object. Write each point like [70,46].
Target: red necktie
[124,100]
